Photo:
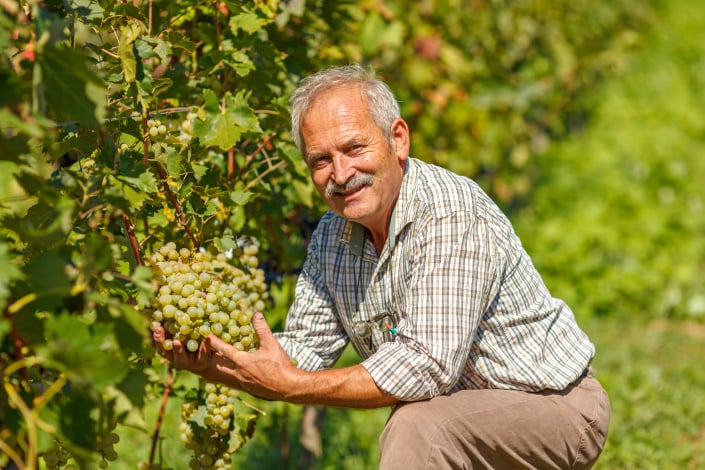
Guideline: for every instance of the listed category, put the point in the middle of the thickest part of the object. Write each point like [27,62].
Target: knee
[406,437]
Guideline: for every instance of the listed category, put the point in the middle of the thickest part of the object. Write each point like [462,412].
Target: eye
[318,161]
[355,149]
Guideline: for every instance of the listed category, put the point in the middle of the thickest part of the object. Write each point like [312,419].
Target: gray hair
[382,104]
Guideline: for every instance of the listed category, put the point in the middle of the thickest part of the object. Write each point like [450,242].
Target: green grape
[197,294]
[57,457]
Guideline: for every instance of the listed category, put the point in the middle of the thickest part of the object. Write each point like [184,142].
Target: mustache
[357,181]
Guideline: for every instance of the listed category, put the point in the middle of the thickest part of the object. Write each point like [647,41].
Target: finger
[158,335]
[158,338]
[179,355]
[264,333]
[220,347]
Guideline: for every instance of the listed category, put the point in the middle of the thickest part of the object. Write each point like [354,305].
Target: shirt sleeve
[313,337]
[452,278]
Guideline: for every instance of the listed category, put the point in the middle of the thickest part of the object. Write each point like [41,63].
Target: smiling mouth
[349,192]
[350,188]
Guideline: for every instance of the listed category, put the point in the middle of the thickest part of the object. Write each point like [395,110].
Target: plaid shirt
[452,302]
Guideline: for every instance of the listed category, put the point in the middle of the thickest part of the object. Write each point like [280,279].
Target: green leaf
[241,197]
[76,422]
[225,244]
[70,86]
[142,278]
[179,40]
[237,219]
[88,355]
[126,51]
[13,140]
[8,272]
[223,126]
[247,22]
[46,277]
[174,164]
[133,386]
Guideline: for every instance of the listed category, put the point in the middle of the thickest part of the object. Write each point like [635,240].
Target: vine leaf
[241,197]
[8,271]
[127,53]
[223,126]
[69,87]
[88,355]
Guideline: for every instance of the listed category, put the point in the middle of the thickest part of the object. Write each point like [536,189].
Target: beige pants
[499,429]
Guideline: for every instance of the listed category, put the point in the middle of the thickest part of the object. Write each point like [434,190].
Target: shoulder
[443,193]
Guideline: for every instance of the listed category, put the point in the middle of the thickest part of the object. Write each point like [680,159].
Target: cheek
[320,179]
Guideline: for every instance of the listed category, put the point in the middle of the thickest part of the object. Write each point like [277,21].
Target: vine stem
[18,343]
[165,183]
[134,244]
[162,412]
[175,204]
[259,177]
[12,454]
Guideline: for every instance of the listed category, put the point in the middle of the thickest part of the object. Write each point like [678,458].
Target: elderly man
[423,273]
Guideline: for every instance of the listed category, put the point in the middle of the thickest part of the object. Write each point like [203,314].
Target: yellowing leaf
[126,51]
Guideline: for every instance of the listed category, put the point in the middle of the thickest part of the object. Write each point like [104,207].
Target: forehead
[340,99]
[336,110]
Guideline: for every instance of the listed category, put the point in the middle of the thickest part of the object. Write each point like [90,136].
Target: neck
[379,239]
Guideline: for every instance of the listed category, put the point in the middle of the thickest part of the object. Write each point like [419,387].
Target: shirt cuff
[395,370]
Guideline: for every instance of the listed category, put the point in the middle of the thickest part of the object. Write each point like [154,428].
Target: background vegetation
[583,120]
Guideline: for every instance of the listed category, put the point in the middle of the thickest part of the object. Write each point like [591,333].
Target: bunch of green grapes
[200,294]
[57,457]
[205,429]
[156,129]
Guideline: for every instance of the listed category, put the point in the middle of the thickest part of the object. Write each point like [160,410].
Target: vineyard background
[582,119]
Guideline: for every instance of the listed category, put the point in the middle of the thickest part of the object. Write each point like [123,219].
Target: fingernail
[259,316]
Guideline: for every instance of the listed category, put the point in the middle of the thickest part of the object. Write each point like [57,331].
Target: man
[422,272]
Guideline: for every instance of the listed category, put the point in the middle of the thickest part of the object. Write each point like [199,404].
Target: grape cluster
[106,448]
[156,129]
[200,294]
[57,457]
[186,128]
[205,429]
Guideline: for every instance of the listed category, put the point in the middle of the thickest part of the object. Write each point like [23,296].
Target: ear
[400,139]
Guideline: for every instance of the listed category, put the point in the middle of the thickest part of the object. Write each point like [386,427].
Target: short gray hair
[382,104]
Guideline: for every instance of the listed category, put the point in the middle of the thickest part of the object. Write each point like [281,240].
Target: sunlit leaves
[88,354]
[247,22]
[129,34]
[223,122]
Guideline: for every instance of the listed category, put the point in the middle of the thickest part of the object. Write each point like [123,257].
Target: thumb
[264,333]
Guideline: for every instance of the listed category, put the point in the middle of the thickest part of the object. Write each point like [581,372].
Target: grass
[653,373]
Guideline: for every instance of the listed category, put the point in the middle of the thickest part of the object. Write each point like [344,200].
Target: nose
[342,168]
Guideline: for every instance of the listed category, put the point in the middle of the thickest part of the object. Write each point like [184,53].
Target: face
[356,171]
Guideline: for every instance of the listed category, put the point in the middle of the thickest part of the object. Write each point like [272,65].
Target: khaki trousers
[499,429]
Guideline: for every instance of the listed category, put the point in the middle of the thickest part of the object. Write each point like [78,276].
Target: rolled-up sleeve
[313,336]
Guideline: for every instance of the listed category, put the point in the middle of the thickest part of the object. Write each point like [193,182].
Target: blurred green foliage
[616,221]
[487,85]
